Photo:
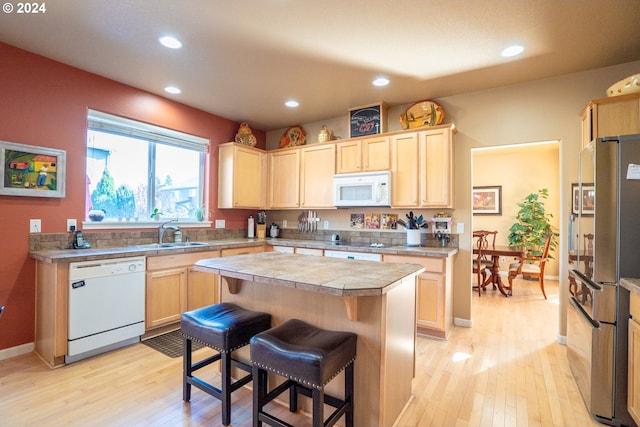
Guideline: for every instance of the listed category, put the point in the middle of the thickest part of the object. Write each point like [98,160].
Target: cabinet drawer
[242,251]
[634,307]
[178,260]
[432,265]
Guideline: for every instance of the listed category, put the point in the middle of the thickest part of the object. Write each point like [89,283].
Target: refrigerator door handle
[588,282]
[594,323]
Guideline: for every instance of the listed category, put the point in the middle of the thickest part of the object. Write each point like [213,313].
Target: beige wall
[520,170]
[536,111]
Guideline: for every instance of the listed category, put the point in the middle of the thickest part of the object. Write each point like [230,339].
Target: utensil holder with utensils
[308,221]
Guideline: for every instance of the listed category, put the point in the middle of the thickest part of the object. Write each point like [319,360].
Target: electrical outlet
[284,223]
[503,259]
[326,225]
[220,223]
[35,226]
[72,225]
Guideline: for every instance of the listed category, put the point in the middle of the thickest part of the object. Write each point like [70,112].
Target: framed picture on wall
[583,203]
[487,200]
[28,170]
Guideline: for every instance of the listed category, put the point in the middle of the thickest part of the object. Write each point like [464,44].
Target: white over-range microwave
[362,189]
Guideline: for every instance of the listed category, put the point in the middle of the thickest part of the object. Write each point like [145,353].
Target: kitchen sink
[187,244]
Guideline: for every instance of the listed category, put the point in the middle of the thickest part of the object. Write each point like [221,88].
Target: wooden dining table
[495,252]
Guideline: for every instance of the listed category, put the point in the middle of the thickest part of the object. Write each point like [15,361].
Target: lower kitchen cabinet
[203,289]
[165,296]
[633,373]
[173,287]
[52,296]
[434,305]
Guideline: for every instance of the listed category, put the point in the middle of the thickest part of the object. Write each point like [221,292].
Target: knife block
[261,231]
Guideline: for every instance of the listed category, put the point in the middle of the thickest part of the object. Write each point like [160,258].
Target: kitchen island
[372,299]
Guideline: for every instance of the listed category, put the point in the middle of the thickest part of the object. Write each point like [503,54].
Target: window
[134,168]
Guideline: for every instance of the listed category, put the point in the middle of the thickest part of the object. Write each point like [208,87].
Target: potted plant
[533,224]
[201,212]
[156,214]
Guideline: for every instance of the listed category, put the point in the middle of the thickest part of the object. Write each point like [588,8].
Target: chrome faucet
[164,227]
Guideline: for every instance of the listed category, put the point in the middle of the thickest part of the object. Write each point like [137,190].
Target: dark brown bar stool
[309,358]
[224,327]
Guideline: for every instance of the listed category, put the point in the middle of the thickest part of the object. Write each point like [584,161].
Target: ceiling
[243,59]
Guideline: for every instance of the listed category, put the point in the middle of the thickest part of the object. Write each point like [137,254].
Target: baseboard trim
[465,323]
[18,350]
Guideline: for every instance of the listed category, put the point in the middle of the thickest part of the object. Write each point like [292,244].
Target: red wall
[44,103]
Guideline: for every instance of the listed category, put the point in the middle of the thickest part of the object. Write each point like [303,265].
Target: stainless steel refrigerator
[607,201]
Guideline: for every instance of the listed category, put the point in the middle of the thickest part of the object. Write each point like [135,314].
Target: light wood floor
[508,370]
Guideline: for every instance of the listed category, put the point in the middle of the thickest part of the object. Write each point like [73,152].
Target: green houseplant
[533,224]
[201,212]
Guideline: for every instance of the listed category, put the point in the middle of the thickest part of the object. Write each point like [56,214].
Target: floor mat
[170,344]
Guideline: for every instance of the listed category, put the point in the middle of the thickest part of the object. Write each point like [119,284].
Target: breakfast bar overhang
[375,300]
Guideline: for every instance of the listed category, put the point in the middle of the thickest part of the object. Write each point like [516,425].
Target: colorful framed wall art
[28,170]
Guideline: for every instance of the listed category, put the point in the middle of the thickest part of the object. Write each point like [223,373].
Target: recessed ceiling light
[292,103]
[170,42]
[172,89]
[512,51]
[381,81]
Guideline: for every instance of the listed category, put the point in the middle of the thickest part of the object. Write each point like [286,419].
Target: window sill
[123,225]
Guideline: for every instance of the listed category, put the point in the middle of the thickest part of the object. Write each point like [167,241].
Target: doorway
[514,171]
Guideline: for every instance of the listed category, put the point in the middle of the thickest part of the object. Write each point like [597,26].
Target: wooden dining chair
[481,262]
[531,266]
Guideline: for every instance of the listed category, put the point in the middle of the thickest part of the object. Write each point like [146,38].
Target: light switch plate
[460,227]
[35,226]
[220,223]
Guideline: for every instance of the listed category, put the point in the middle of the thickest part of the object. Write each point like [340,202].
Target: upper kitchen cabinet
[317,167]
[241,171]
[422,168]
[436,167]
[302,177]
[613,116]
[363,155]
[284,178]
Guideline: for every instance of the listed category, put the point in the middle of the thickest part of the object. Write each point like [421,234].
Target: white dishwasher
[106,305]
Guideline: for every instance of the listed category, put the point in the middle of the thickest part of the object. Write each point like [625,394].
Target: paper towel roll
[250,228]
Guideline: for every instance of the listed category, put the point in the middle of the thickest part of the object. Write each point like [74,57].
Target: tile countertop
[631,284]
[74,255]
[339,277]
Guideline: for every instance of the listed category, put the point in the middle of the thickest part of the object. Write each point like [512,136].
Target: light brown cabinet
[284,178]
[422,168]
[434,305]
[317,167]
[52,296]
[173,287]
[363,155]
[613,116]
[302,177]
[633,372]
[241,172]
[165,296]
[436,168]
[242,251]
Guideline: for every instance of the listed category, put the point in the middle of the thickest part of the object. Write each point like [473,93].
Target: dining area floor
[508,370]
